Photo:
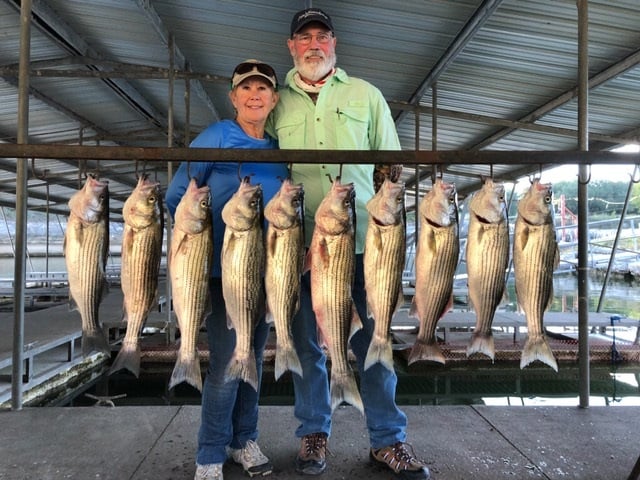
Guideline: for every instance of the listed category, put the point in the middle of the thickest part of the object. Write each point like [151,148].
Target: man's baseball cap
[304,17]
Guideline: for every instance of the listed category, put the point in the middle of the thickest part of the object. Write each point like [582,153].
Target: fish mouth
[482,219]
[432,223]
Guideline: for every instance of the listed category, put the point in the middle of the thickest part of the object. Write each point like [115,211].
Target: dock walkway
[458,442]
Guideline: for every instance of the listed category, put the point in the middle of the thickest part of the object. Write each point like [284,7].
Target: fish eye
[547,199]
[152,199]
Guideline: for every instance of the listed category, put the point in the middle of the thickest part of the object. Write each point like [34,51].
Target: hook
[43,176]
[585,182]
[633,177]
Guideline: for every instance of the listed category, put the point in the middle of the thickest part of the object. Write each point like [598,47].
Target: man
[323,108]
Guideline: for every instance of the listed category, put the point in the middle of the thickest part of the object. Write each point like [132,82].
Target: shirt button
[320,143]
[318,119]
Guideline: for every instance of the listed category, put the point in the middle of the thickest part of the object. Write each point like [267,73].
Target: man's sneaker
[312,454]
[253,461]
[400,458]
[212,471]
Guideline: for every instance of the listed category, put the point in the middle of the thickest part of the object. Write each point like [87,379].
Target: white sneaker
[212,471]
[253,461]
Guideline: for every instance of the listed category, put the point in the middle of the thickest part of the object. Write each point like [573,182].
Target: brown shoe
[400,458]
[312,454]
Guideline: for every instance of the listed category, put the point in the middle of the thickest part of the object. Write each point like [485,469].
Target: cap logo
[310,13]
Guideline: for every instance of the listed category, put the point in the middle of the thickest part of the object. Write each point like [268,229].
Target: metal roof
[504,73]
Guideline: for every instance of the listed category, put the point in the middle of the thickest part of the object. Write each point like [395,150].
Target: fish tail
[287,359]
[345,389]
[379,351]
[426,351]
[482,343]
[187,369]
[128,358]
[94,340]
[537,348]
[243,369]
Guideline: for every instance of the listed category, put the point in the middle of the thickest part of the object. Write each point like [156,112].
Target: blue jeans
[385,421]
[229,409]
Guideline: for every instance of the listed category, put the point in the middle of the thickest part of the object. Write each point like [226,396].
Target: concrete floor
[458,442]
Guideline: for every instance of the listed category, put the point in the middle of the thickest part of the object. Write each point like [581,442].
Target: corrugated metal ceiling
[495,63]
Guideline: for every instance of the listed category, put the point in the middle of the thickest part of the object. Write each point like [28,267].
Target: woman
[230,409]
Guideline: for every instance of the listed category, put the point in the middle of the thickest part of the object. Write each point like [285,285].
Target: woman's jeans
[229,409]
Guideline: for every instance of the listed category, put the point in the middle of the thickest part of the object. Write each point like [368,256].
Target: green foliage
[605,197]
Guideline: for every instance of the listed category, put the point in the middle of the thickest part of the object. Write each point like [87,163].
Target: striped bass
[535,257]
[283,269]
[242,262]
[86,246]
[487,259]
[384,253]
[141,253]
[331,260]
[436,260]
[190,260]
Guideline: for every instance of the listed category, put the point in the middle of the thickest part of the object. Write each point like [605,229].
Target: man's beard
[315,70]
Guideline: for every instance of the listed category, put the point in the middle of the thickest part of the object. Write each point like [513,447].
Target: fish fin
[187,370]
[270,243]
[431,242]
[128,358]
[345,389]
[482,343]
[413,309]
[243,369]
[269,316]
[73,305]
[537,348]
[323,250]
[379,352]
[127,241]
[229,322]
[94,341]
[356,323]
[306,266]
[322,341]
[426,351]
[556,257]
[522,238]
[287,359]
[377,239]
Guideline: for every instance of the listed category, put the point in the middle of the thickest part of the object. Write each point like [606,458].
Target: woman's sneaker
[253,461]
[400,458]
[212,471]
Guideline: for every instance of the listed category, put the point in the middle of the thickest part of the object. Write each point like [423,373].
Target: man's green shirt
[349,114]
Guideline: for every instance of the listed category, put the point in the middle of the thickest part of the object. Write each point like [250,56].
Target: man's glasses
[248,67]
[306,38]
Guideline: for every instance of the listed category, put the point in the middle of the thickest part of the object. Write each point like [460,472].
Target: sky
[614,173]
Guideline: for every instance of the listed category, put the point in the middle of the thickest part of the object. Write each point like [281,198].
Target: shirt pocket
[352,129]
[290,130]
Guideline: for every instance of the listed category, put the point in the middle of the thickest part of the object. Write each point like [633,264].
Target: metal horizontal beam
[406,157]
